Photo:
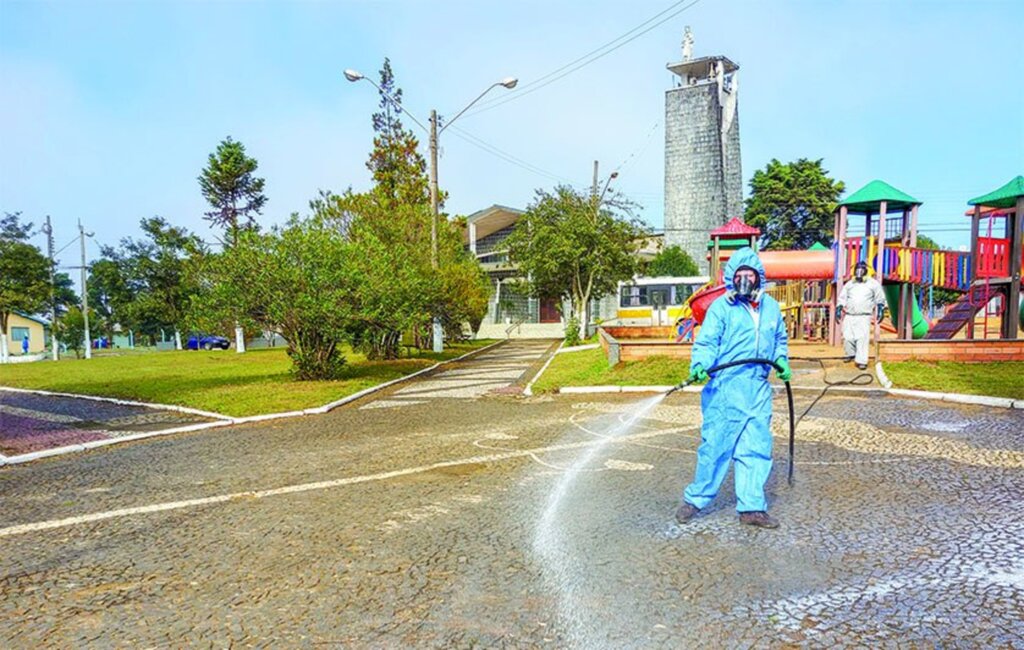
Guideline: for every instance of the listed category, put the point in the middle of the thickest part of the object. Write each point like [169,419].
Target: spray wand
[789,399]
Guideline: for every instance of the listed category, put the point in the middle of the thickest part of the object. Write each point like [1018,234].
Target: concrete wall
[620,344]
[703,178]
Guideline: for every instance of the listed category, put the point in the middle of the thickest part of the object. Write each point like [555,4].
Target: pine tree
[399,171]
[230,187]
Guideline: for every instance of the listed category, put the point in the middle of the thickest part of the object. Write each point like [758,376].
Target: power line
[507,157]
[586,59]
[640,150]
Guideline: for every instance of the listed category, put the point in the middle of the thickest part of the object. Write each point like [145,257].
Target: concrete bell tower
[703,180]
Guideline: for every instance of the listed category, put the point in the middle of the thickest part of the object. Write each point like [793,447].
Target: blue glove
[697,373]
[881,312]
[839,312]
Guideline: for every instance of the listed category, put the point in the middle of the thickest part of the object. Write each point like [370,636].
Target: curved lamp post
[433,131]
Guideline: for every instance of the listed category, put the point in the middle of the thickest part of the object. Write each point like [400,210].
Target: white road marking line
[21,529]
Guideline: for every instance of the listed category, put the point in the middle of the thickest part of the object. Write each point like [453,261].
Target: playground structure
[806,283]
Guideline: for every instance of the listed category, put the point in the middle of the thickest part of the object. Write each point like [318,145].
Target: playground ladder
[962,311]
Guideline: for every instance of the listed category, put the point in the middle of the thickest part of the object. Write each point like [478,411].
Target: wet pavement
[30,422]
[500,521]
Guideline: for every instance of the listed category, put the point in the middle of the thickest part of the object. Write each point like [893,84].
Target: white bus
[657,301]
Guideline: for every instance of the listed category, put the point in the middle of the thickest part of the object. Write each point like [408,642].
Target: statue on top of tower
[687,44]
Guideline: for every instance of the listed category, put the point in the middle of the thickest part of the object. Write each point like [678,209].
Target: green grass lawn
[590,368]
[221,381]
[1005,379]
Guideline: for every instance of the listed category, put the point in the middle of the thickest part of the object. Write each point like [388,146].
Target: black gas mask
[746,282]
[860,271]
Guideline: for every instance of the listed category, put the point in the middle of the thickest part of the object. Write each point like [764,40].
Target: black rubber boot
[759,519]
[686,512]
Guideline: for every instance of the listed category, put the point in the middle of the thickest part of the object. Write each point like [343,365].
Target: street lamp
[433,131]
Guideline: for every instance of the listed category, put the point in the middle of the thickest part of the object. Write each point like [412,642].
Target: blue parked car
[195,342]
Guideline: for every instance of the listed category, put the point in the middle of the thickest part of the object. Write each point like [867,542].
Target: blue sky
[108,110]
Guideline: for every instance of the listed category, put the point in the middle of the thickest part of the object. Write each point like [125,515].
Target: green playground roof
[729,243]
[818,246]
[1004,197]
[869,198]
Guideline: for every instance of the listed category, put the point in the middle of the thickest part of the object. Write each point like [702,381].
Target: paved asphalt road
[449,513]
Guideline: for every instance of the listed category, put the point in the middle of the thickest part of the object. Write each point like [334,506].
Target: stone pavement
[30,422]
[493,372]
[505,521]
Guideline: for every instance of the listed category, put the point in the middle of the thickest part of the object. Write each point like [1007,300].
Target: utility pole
[85,293]
[507,82]
[48,229]
[593,188]
[435,210]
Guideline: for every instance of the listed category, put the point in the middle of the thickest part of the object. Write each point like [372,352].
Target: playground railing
[993,257]
[927,267]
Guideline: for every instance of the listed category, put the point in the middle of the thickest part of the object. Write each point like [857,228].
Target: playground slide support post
[975,227]
[1010,314]
[840,239]
[880,262]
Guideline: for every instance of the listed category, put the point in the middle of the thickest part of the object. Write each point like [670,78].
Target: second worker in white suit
[858,301]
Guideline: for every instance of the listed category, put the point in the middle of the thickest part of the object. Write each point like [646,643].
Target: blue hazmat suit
[737,402]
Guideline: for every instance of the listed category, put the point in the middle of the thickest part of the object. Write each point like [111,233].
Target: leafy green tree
[24,272]
[229,185]
[109,295]
[71,329]
[571,247]
[672,261]
[147,284]
[793,204]
[295,280]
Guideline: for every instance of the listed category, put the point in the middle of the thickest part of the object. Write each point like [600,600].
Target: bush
[572,332]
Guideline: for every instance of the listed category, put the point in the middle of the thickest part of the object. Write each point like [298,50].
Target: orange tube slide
[795,265]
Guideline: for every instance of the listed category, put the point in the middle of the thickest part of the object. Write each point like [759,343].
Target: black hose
[858,380]
[789,400]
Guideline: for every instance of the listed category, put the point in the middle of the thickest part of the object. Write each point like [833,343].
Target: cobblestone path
[473,378]
[30,422]
[505,521]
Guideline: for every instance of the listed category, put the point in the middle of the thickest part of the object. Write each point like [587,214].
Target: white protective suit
[859,301]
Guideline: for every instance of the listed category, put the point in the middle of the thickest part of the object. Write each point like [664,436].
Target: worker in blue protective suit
[736,404]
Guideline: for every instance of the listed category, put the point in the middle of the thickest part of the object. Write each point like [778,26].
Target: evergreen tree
[230,187]
[399,171]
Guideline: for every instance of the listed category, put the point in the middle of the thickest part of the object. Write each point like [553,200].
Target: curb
[883,379]
[578,348]
[222,420]
[123,402]
[528,391]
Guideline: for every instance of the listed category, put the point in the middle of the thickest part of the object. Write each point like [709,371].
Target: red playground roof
[735,226]
[991,212]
